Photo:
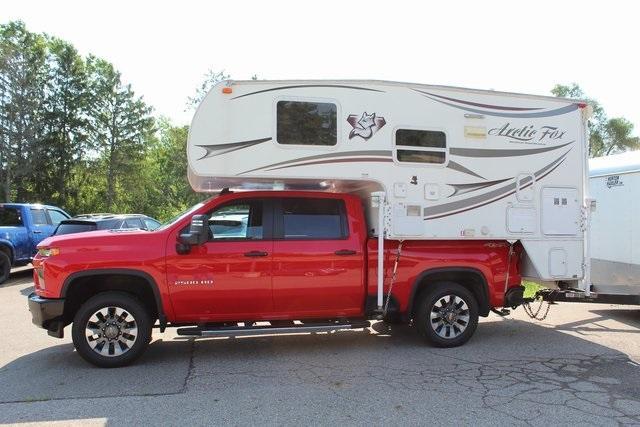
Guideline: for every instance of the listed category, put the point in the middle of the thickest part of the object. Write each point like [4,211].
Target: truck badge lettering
[193,282]
[366,126]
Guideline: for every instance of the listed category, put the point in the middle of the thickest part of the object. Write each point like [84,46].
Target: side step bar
[236,331]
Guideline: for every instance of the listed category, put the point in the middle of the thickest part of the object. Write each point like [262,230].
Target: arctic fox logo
[366,126]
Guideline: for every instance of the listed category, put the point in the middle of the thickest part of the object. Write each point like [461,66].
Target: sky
[165,48]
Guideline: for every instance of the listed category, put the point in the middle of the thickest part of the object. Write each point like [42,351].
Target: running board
[236,331]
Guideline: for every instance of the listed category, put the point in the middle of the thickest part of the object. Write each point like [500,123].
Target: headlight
[48,252]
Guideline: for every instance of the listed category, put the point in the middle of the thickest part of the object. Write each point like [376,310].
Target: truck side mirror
[198,232]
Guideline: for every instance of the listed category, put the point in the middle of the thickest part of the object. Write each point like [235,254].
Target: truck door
[317,262]
[229,277]
[14,231]
[40,228]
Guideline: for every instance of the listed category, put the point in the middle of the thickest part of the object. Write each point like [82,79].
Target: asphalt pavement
[578,366]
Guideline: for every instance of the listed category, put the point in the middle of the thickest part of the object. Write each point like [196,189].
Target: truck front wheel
[447,314]
[111,329]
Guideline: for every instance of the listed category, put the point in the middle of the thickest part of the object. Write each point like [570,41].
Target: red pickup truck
[261,262]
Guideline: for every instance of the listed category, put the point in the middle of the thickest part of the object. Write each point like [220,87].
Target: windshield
[183,215]
[70,228]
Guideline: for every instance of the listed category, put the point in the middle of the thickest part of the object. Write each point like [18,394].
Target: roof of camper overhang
[615,164]
[405,84]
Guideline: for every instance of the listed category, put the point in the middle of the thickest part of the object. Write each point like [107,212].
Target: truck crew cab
[337,203]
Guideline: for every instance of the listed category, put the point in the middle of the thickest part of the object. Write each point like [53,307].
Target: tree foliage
[606,136]
[74,134]
[211,78]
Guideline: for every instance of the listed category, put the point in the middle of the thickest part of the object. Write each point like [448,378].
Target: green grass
[530,289]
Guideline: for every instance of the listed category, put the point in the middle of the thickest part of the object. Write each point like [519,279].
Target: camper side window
[426,146]
[306,123]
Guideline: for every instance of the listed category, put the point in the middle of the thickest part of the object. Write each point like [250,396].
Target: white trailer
[448,163]
[615,263]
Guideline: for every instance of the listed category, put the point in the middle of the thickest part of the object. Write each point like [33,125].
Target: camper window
[306,123]
[427,146]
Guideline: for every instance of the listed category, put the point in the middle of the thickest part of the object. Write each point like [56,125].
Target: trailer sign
[614,181]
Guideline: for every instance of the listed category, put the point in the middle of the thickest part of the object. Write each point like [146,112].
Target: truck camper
[445,163]
[334,203]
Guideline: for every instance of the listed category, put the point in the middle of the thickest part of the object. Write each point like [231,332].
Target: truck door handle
[256,253]
[37,232]
[345,252]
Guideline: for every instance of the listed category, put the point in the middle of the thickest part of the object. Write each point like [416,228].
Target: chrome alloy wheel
[111,331]
[449,316]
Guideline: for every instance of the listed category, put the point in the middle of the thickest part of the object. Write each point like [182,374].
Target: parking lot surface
[580,365]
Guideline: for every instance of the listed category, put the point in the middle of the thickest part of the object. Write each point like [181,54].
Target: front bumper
[47,313]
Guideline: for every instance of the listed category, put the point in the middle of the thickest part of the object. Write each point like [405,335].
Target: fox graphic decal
[366,126]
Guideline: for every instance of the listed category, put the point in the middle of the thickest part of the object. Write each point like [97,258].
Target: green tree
[211,78]
[166,164]
[65,120]
[606,136]
[120,122]
[23,75]
[618,136]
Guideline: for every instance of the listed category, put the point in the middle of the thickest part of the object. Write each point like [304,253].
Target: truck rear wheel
[5,267]
[111,329]
[447,314]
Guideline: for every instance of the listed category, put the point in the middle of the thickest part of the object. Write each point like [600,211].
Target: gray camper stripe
[489,152]
[468,188]
[366,153]
[482,199]
[458,167]
[218,149]
[340,160]
[302,86]
[477,104]
[556,112]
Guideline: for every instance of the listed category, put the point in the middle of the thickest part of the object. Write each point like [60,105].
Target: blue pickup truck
[22,227]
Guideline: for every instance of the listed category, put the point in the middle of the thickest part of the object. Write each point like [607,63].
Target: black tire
[458,321]
[5,267]
[120,311]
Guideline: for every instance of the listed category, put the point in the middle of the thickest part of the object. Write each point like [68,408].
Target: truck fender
[122,272]
[7,247]
[438,274]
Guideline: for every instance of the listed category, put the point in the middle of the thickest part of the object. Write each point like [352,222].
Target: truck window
[427,146]
[56,216]
[240,220]
[131,223]
[39,217]
[306,123]
[313,219]
[10,217]
[151,224]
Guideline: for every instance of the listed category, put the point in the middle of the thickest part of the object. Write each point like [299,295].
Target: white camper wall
[511,166]
[615,226]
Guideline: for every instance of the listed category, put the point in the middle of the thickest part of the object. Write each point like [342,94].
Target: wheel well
[7,250]
[470,278]
[82,288]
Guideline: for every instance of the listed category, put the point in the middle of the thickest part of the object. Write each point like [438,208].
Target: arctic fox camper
[447,163]
[615,226]
[336,202]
